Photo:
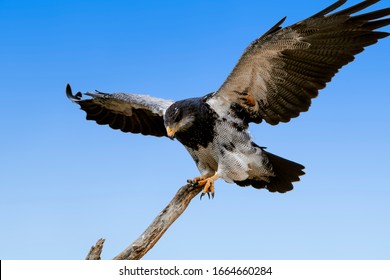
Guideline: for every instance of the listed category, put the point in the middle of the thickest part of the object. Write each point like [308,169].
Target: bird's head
[179,117]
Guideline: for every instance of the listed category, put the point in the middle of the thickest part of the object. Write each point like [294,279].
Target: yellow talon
[196,180]
[206,183]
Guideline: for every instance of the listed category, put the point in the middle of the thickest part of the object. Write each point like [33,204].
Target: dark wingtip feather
[276,27]
[356,8]
[329,9]
[376,24]
[69,94]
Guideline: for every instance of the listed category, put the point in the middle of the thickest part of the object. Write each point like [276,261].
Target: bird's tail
[286,172]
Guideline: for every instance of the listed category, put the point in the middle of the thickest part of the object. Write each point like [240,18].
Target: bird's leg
[206,182]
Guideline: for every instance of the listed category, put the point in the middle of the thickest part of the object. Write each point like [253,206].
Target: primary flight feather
[274,80]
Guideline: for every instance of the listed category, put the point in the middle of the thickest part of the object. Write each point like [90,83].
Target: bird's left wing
[128,112]
[280,72]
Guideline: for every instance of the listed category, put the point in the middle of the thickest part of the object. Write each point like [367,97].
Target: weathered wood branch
[156,229]
[96,251]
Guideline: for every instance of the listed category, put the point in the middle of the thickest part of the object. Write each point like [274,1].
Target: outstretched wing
[280,72]
[128,112]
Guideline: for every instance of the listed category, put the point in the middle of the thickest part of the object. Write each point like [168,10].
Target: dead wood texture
[156,229]
[95,252]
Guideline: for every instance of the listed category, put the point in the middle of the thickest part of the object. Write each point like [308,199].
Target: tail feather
[286,172]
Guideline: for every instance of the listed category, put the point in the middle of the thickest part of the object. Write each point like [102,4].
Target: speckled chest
[230,141]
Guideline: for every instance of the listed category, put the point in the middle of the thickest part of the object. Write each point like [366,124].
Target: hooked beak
[171,132]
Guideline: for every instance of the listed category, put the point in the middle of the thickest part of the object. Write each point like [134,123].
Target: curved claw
[208,194]
[208,187]
[206,182]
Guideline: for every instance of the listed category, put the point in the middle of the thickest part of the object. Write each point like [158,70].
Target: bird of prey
[274,80]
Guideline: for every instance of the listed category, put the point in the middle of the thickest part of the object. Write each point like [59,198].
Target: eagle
[274,81]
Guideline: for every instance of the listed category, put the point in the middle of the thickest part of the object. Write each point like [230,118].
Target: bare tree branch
[156,229]
[95,252]
[161,223]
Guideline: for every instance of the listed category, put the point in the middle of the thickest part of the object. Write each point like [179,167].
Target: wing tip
[275,28]
[69,94]
[329,9]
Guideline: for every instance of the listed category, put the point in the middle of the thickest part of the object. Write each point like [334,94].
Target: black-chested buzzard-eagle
[274,80]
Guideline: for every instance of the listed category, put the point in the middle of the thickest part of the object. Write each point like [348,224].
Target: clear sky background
[66,182]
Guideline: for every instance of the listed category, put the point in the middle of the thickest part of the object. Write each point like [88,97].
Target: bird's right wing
[128,112]
[280,72]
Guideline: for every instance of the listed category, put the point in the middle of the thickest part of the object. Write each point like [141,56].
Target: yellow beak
[171,132]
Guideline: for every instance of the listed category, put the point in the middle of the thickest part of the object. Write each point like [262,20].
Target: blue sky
[66,182]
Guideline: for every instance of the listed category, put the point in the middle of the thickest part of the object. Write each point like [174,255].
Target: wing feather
[127,112]
[280,72]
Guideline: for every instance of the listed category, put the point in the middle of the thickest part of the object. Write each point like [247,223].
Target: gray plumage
[133,113]
[274,80]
